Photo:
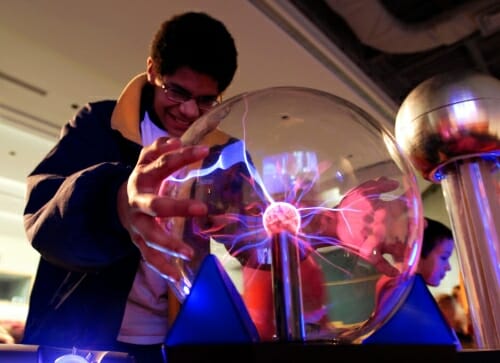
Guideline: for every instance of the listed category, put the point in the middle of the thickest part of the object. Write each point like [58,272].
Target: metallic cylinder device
[282,171]
[287,291]
[449,126]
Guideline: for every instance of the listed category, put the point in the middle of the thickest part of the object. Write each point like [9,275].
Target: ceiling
[55,56]
[399,44]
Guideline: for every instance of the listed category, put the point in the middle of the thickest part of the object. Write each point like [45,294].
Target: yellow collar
[127,112]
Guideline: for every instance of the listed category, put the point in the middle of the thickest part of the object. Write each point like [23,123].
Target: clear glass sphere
[326,177]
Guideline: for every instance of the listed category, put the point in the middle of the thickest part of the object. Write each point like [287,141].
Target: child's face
[434,267]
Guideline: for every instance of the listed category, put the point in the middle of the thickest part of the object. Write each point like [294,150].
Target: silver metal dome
[449,117]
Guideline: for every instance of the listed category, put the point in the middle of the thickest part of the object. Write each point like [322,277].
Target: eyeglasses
[179,95]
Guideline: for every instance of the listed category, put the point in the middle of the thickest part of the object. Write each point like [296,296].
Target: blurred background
[56,56]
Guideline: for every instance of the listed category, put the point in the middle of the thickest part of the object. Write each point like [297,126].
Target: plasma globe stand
[281,220]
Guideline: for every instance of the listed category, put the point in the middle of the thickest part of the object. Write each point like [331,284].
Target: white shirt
[145,319]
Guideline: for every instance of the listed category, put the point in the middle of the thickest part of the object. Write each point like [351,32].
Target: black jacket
[88,261]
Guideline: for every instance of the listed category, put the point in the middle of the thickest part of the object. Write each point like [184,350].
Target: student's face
[199,91]
[434,267]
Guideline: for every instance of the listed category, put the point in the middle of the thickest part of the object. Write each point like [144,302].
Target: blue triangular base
[213,312]
[417,321]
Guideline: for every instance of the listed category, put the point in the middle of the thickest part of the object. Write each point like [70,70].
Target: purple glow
[289,208]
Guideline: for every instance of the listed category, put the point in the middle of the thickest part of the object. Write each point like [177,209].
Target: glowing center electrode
[281,217]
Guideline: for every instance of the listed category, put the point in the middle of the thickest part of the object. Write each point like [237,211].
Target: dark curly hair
[198,41]
[434,233]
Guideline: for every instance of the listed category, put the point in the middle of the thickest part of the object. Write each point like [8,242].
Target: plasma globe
[343,195]
[283,202]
